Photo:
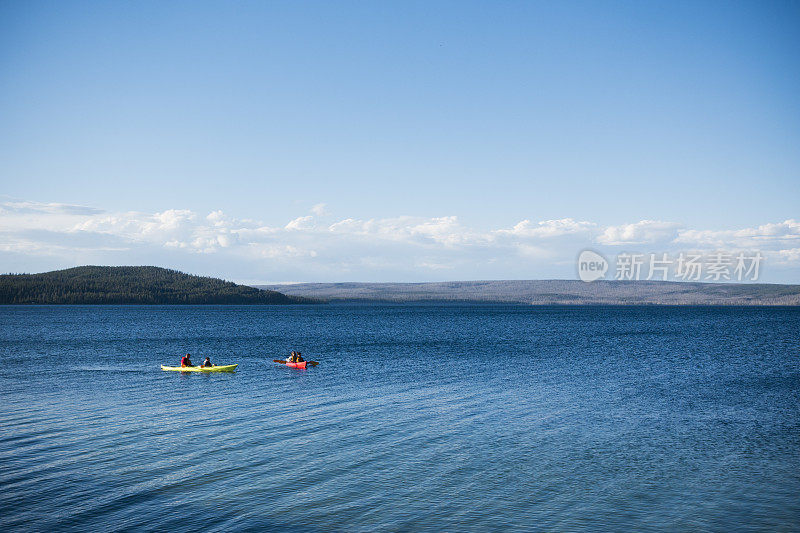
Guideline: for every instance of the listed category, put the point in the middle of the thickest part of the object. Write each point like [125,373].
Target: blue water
[418,418]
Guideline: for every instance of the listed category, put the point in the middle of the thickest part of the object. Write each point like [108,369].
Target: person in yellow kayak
[207,363]
[186,360]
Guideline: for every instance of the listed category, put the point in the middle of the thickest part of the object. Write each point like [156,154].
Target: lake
[418,418]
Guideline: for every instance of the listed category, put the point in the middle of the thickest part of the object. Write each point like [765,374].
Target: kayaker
[186,360]
[207,363]
[299,358]
[292,358]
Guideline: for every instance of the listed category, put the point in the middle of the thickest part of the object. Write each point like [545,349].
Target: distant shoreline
[148,285]
[552,292]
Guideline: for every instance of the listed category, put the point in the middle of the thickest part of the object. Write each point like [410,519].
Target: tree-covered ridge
[130,285]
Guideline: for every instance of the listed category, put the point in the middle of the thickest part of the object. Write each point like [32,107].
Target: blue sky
[465,117]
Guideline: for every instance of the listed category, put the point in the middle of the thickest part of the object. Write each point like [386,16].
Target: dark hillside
[130,285]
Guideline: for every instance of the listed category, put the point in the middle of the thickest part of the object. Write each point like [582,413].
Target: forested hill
[130,285]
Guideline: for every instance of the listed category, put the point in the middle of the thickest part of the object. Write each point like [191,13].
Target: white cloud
[537,252]
[433,266]
[280,251]
[791,256]
[784,233]
[220,219]
[347,225]
[319,210]
[48,208]
[301,223]
[391,248]
[549,228]
[446,231]
[642,232]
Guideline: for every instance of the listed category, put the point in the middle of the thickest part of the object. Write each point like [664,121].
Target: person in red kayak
[295,357]
[186,360]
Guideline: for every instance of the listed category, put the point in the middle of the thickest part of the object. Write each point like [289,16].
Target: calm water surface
[458,418]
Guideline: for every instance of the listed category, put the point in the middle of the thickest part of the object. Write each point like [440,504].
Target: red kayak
[304,364]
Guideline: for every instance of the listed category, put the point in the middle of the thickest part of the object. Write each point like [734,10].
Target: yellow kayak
[223,368]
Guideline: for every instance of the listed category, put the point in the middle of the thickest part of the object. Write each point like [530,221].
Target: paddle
[308,363]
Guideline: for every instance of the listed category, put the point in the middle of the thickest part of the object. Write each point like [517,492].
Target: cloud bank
[318,246]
